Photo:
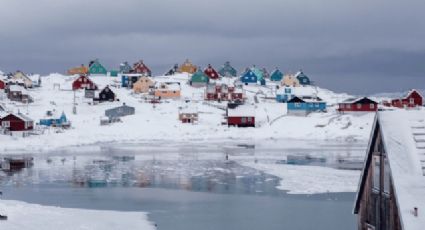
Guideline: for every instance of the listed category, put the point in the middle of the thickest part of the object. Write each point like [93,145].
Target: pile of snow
[22,215]
[298,179]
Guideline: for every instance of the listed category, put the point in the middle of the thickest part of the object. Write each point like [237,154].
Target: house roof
[298,91]
[403,133]
[361,100]
[306,99]
[17,88]
[413,91]
[241,111]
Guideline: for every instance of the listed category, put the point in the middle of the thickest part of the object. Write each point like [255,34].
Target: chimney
[415,211]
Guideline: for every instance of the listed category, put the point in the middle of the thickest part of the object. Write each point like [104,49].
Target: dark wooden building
[140,68]
[17,122]
[358,105]
[223,92]
[106,95]
[391,192]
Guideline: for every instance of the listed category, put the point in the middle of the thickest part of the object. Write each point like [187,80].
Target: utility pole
[74,106]
[2,217]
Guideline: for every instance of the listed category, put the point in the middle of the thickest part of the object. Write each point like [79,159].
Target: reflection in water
[217,176]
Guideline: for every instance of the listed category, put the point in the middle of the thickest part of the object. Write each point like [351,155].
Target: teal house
[260,75]
[302,106]
[62,121]
[276,75]
[95,68]
[302,78]
[199,79]
[227,70]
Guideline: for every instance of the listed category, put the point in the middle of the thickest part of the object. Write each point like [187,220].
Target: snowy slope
[160,122]
[22,215]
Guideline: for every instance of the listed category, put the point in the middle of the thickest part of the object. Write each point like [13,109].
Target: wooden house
[302,106]
[106,94]
[18,93]
[20,77]
[363,104]
[188,115]
[80,70]
[55,121]
[167,90]
[140,68]
[143,85]
[276,75]
[120,111]
[211,73]
[290,80]
[240,115]
[302,78]
[83,82]
[223,92]
[260,75]
[249,77]
[412,99]
[16,122]
[125,68]
[2,83]
[199,79]
[391,191]
[187,67]
[227,70]
[95,68]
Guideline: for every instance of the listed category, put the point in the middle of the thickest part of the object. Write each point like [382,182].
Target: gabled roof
[241,111]
[413,91]
[361,100]
[305,99]
[402,135]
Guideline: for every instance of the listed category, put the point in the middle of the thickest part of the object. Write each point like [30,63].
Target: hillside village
[91,104]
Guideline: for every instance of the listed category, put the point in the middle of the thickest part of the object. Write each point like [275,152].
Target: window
[297,105]
[348,106]
[412,101]
[372,106]
[387,175]
[6,124]
[376,172]
[243,120]
[288,90]
[359,106]
[249,119]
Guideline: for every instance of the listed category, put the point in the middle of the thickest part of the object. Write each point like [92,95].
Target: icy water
[193,189]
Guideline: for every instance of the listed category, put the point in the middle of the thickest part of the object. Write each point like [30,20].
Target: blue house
[249,77]
[285,94]
[227,70]
[62,121]
[276,75]
[302,106]
[303,79]
[125,68]
[127,80]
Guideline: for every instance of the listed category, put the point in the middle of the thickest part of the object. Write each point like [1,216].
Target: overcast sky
[357,46]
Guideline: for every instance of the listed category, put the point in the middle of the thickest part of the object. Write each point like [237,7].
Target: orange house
[187,67]
[166,90]
[143,85]
[81,70]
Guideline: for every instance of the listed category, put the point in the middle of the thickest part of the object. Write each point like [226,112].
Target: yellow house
[166,90]
[290,80]
[78,70]
[143,85]
[19,76]
[187,67]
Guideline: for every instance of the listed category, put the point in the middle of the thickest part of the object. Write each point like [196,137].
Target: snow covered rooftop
[298,91]
[403,133]
[16,88]
[242,111]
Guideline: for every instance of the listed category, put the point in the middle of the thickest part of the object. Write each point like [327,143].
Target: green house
[96,68]
[276,75]
[199,78]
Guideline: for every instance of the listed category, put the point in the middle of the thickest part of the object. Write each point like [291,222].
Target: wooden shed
[240,115]
[363,104]
[120,111]
[17,122]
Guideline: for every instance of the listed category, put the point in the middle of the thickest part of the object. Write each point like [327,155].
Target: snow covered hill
[160,121]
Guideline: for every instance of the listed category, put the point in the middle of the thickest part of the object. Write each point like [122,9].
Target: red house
[413,99]
[223,92]
[2,84]
[17,122]
[240,115]
[140,68]
[83,82]
[358,105]
[211,73]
